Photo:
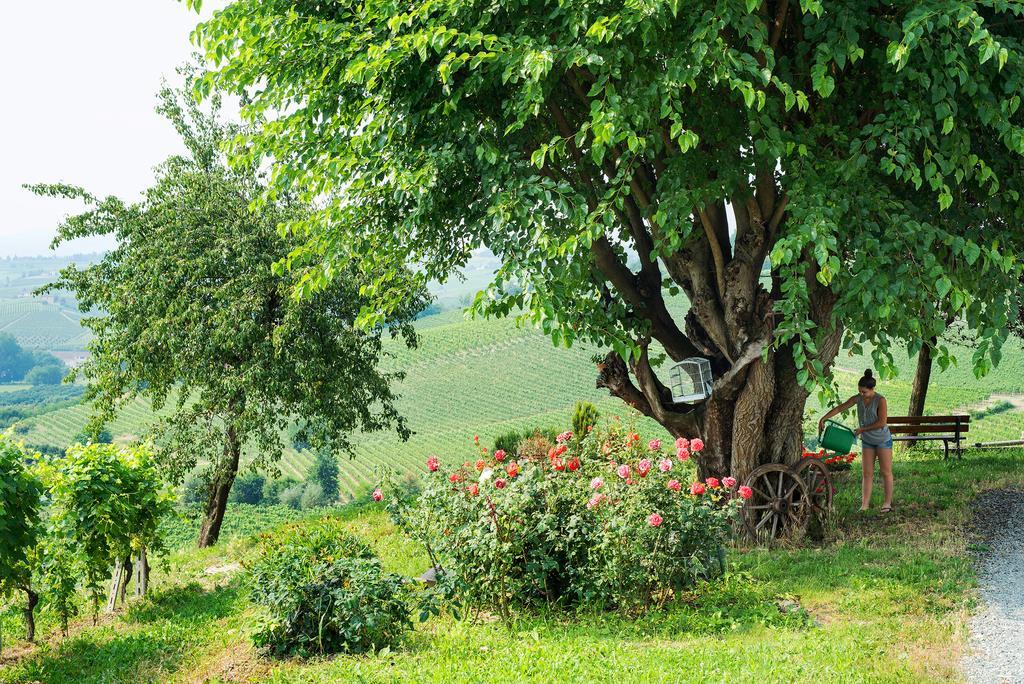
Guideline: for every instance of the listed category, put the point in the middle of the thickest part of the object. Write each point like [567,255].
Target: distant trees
[34,367]
[196,315]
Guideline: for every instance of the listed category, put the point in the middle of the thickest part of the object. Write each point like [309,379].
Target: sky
[78,91]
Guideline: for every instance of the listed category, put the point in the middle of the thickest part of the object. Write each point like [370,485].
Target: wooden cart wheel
[816,477]
[778,505]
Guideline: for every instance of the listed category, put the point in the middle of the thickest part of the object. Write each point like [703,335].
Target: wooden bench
[936,428]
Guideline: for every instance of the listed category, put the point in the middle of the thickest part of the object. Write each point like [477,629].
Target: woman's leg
[885,465]
[867,469]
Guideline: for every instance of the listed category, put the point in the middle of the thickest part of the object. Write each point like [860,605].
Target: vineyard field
[483,377]
[39,324]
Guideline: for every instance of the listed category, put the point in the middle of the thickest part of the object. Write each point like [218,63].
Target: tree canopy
[195,318]
[615,155]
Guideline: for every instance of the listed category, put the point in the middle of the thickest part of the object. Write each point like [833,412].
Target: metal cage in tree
[690,380]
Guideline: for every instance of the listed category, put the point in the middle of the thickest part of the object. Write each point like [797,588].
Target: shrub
[596,521]
[312,496]
[272,489]
[535,446]
[46,374]
[195,490]
[248,488]
[324,592]
[292,496]
[20,493]
[584,417]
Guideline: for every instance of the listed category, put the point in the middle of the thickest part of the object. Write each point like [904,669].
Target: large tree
[196,319]
[616,154]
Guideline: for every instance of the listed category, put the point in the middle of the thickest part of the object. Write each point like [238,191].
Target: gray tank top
[868,414]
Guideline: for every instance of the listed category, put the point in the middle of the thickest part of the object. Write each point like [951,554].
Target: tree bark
[922,377]
[142,573]
[220,489]
[32,599]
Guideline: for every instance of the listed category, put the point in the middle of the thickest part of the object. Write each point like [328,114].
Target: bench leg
[945,450]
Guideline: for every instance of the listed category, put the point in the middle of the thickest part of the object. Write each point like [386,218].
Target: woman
[876,440]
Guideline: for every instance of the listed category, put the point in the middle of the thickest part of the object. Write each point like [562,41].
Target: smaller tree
[109,500]
[324,472]
[19,525]
[249,489]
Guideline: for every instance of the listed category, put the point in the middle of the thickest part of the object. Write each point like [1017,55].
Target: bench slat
[925,420]
[949,429]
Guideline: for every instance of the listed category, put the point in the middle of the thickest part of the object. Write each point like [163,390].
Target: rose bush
[600,519]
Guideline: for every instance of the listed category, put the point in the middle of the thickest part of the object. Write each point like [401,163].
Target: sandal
[885,509]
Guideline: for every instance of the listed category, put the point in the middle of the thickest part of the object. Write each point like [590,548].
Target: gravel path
[997,629]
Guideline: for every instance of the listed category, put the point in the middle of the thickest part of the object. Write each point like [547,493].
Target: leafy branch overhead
[616,155]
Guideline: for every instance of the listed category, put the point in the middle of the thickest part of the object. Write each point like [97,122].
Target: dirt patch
[239,663]
[223,569]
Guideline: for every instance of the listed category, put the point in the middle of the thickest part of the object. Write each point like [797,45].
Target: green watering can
[837,437]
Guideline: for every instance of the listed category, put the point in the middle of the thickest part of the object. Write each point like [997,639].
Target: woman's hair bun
[868,373]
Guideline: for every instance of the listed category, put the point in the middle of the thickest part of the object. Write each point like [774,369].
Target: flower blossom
[564,437]
[697,488]
[378,494]
[746,492]
[480,463]
[665,465]
[454,477]
[682,443]
[696,444]
[558,464]
[573,465]
[433,464]
[729,481]
[596,483]
[595,501]
[683,454]
[713,482]
[499,483]
[499,455]
[674,485]
[643,467]
[473,489]
[512,469]
[654,445]
[654,520]
[623,471]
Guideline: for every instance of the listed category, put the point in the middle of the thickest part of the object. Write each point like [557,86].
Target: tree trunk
[922,376]
[220,488]
[142,573]
[32,599]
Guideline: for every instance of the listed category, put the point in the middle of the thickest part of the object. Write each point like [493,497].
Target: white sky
[79,87]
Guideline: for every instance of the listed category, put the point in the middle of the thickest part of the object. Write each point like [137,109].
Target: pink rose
[729,482]
[654,445]
[643,467]
[682,443]
[377,494]
[683,454]
[595,501]
[696,444]
[565,436]
[596,483]
[665,465]
[697,488]
[674,485]
[499,483]
[623,471]
[713,482]
[433,464]
[454,477]
[654,520]
[499,455]
[746,492]
[473,489]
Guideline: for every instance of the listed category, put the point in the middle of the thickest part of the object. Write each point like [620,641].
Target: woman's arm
[883,418]
[836,411]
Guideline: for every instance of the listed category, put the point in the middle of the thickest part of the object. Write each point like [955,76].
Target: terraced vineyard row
[38,324]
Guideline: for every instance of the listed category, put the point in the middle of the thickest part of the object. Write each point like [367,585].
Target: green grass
[883,599]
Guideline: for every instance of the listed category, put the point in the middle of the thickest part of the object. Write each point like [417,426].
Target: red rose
[574,464]
[499,483]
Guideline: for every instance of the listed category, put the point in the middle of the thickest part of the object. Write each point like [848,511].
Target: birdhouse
[690,380]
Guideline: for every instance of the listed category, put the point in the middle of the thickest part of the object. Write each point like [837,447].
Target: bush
[312,496]
[47,374]
[272,489]
[584,417]
[195,491]
[324,592]
[569,527]
[86,437]
[292,496]
[248,488]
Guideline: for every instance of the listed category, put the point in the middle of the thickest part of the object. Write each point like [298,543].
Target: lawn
[883,598]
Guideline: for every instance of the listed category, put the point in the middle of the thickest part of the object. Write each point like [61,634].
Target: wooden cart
[786,498]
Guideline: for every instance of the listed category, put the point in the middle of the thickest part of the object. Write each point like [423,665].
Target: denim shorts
[887,444]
